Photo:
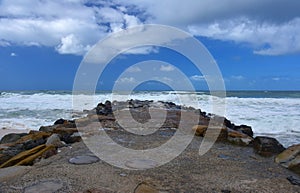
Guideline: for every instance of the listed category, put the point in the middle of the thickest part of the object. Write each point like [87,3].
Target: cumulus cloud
[70,26]
[270,27]
[71,45]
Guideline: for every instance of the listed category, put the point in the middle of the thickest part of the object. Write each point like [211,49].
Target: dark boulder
[33,139]
[9,152]
[244,129]
[104,109]
[294,180]
[60,121]
[68,135]
[12,137]
[228,123]
[65,123]
[49,128]
[267,146]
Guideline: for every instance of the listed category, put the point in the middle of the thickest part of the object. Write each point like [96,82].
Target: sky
[255,43]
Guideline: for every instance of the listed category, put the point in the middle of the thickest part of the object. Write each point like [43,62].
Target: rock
[7,174]
[63,130]
[295,164]
[199,130]
[84,159]
[48,129]
[66,134]
[54,139]
[60,122]
[240,141]
[104,109]
[12,137]
[228,123]
[65,123]
[238,138]
[27,157]
[145,188]
[10,152]
[244,129]
[33,139]
[290,158]
[219,134]
[267,146]
[294,180]
[236,134]
[75,137]
[49,186]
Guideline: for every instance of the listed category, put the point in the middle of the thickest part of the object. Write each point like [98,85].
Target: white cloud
[270,27]
[134,69]
[166,68]
[142,50]
[197,78]
[71,45]
[13,54]
[69,26]
[126,80]
[239,77]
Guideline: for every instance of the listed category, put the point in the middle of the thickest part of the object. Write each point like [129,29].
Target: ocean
[269,113]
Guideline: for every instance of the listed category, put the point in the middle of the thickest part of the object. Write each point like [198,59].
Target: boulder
[33,139]
[26,142]
[66,134]
[217,133]
[12,137]
[244,129]
[104,109]
[238,138]
[11,173]
[65,123]
[267,146]
[236,134]
[228,123]
[75,137]
[290,158]
[27,157]
[199,130]
[54,139]
[65,131]
[49,128]
[10,151]
[240,141]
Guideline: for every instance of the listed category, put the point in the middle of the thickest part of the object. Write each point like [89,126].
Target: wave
[272,115]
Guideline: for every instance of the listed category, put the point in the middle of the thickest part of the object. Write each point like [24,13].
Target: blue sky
[256,43]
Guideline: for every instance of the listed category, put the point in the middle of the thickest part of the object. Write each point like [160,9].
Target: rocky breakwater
[28,148]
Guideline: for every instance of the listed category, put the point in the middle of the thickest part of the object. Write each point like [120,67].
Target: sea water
[272,113]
